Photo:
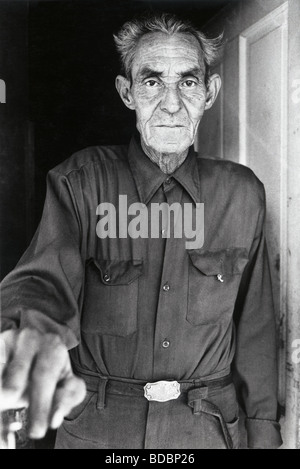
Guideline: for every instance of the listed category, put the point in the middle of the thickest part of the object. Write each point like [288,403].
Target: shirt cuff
[263,434]
[22,317]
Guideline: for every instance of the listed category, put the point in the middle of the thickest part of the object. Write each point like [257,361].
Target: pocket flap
[223,261]
[116,272]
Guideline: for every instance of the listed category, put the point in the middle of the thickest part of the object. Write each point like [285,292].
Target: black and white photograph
[150,227]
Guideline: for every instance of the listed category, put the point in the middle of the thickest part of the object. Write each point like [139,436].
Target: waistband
[135,387]
[197,391]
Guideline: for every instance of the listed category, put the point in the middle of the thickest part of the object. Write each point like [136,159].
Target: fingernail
[57,420]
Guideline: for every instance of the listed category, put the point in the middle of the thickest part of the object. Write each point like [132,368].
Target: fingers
[71,393]
[15,374]
[38,372]
[51,367]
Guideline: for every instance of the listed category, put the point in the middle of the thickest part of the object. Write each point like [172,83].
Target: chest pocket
[214,278]
[111,296]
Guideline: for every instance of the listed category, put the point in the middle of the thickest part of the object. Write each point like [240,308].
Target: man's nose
[171,102]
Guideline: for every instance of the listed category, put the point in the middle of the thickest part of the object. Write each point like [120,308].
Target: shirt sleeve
[255,364]
[43,291]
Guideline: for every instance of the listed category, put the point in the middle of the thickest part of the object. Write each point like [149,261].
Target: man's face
[168,91]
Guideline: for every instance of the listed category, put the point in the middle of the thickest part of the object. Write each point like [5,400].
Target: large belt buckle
[162,391]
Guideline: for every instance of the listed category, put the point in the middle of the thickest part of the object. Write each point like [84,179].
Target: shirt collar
[148,177]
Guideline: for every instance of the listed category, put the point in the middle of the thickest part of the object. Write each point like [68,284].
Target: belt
[197,390]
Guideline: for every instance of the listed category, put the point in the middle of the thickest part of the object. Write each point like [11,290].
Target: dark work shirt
[153,308]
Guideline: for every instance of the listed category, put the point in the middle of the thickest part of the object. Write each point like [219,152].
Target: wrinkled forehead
[171,55]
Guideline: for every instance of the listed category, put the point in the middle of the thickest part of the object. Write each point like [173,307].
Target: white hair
[127,39]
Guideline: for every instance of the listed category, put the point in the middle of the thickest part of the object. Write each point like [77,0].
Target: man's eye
[151,83]
[189,84]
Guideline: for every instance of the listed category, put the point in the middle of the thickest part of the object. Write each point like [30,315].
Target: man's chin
[169,140]
[171,148]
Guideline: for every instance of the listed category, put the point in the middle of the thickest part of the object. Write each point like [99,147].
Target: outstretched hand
[37,374]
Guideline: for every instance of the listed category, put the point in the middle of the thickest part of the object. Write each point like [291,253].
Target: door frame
[235,19]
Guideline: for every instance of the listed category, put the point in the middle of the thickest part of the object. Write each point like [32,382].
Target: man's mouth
[170,126]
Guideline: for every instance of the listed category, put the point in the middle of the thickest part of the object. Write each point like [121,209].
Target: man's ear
[123,86]
[214,86]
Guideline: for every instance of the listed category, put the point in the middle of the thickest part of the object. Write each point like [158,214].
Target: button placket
[167,297]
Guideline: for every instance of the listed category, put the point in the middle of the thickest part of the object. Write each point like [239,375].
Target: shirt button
[166,287]
[168,181]
[106,278]
[166,343]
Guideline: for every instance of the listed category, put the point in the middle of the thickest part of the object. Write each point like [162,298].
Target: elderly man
[164,335]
